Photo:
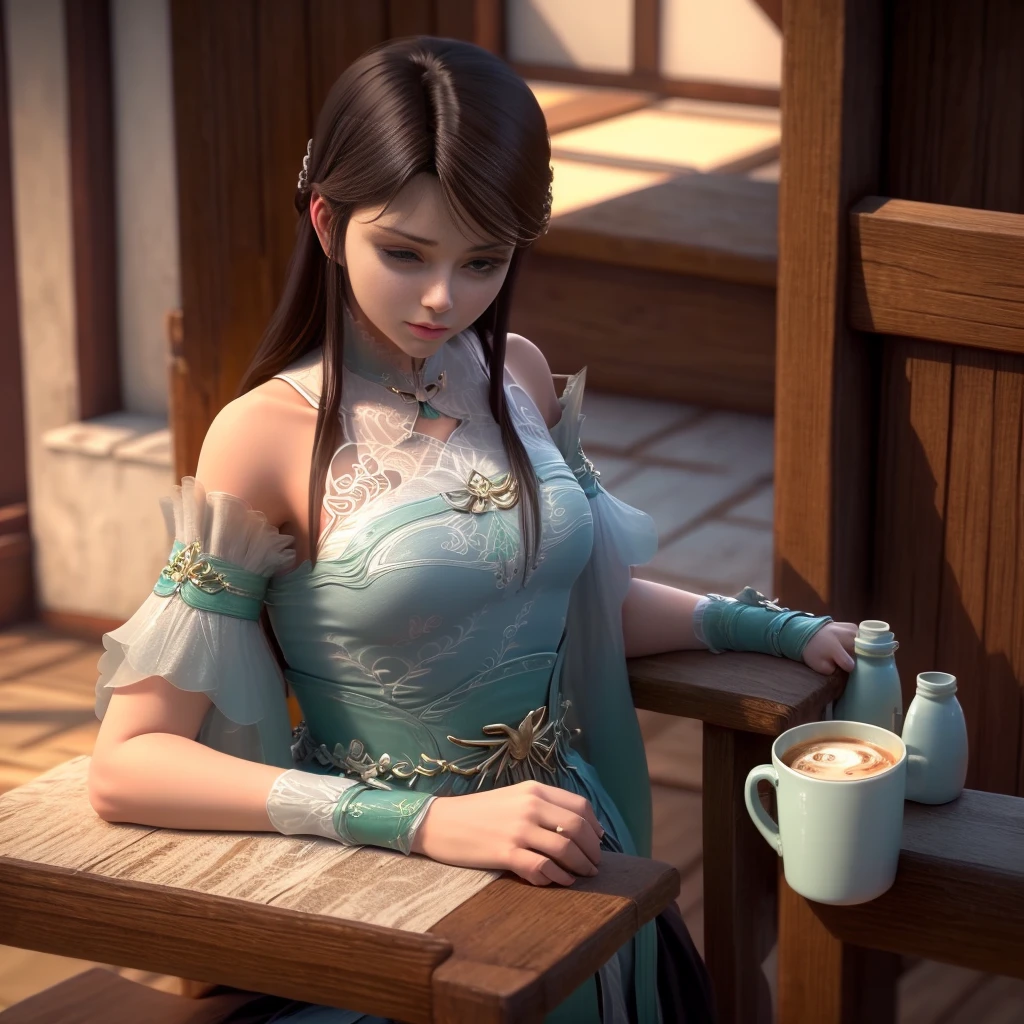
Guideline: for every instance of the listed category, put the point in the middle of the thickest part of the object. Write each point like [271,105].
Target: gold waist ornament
[531,750]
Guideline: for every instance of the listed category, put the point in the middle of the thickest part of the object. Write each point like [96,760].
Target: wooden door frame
[17,596]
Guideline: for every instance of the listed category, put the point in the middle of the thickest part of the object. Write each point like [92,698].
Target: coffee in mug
[840,789]
[838,758]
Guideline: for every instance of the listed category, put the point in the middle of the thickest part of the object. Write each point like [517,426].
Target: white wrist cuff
[698,620]
[302,803]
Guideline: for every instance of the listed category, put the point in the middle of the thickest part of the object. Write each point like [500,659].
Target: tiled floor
[709,488]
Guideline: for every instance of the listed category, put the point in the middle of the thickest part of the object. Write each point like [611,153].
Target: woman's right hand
[513,829]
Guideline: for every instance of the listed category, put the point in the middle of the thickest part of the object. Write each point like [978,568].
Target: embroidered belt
[531,750]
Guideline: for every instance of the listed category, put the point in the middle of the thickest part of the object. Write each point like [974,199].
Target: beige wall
[721,40]
[94,487]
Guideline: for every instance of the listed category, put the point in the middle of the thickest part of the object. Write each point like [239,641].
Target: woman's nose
[438,296]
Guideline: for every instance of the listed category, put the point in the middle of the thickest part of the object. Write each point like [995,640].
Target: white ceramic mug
[839,839]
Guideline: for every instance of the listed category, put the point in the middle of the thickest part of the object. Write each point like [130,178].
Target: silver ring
[559,829]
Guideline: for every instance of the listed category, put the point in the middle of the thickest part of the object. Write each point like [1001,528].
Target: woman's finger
[572,802]
[561,849]
[576,828]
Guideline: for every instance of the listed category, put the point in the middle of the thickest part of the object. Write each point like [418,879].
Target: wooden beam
[692,89]
[93,208]
[773,8]
[13,482]
[647,37]
[751,693]
[709,225]
[941,273]
[832,124]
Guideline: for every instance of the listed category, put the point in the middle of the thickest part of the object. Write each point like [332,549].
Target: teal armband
[366,816]
[210,583]
[751,622]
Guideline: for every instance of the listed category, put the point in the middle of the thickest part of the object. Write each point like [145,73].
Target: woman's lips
[425,331]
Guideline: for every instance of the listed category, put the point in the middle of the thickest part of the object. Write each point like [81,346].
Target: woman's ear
[320,215]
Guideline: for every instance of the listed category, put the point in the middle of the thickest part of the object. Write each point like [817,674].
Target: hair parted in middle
[409,106]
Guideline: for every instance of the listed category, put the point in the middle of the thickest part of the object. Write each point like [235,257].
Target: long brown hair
[447,108]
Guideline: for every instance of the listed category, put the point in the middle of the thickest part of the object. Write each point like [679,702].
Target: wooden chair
[463,969]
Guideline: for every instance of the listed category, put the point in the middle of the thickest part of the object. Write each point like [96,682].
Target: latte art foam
[842,759]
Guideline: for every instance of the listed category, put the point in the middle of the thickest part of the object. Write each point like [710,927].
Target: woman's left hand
[831,648]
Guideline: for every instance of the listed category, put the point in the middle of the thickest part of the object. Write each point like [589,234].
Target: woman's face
[416,278]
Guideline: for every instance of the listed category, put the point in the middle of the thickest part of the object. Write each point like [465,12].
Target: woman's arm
[147,766]
[658,618]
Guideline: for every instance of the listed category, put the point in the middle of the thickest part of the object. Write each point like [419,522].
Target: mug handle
[760,817]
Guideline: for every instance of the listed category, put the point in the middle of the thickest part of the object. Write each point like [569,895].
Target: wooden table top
[509,952]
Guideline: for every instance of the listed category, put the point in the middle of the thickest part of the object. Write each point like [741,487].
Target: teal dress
[422,651]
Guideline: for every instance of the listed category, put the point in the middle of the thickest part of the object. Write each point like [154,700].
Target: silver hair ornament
[304,173]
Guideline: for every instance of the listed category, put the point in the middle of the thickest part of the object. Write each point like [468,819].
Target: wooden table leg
[739,879]
[825,980]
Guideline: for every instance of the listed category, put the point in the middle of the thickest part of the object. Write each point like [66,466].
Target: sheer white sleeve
[224,656]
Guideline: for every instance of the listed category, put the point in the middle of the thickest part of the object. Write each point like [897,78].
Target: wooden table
[958,898]
[511,952]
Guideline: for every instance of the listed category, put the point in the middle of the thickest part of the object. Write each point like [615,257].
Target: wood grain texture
[956,104]
[753,693]
[959,891]
[998,752]
[552,938]
[708,225]
[13,481]
[824,980]
[93,208]
[968,507]
[282,48]
[338,34]
[937,272]
[739,879]
[651,333]
[824,419]
[211,938]
[911,498]
[692,89]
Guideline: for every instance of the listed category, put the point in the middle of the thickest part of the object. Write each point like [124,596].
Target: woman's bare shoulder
[255,444]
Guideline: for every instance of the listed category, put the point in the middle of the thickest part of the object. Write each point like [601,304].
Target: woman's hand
[831,648]
[513,829]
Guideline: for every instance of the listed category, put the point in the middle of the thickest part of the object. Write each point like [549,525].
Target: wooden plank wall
[249,79]
[949,570]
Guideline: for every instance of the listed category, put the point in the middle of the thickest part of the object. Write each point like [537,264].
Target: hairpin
[304,173]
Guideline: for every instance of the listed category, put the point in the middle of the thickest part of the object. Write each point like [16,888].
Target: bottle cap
[936,684]
[872,630]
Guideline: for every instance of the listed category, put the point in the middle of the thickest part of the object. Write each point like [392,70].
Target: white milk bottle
[872,692]
[935,735]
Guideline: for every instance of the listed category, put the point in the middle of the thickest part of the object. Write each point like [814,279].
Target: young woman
[447,580]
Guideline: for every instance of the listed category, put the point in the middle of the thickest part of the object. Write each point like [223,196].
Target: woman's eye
[483,266]
[401,255]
